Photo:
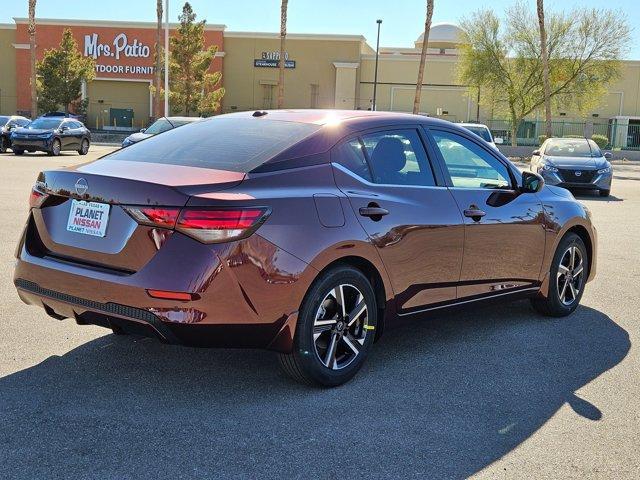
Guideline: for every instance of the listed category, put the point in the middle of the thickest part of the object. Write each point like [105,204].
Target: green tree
[192,88]
[61,73]
[584,49]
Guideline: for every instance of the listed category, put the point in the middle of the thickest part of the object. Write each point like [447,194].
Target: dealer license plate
[88,218]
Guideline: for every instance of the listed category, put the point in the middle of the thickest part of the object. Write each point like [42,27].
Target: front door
[410,217]
[504,229]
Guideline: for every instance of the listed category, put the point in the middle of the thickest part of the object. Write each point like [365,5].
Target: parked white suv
[483,132]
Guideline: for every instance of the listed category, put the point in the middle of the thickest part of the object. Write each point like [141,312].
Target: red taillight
[168,295]
[37,198]
[220,225]
[207,225]
[158,217]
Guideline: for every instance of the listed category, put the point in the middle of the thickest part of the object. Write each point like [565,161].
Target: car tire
[3,145]
[56,147]
[84,147]
[605,193]
[18,151]
[567,278]
[323,328]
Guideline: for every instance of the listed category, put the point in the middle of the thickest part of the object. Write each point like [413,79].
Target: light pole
[375,75]
[166,58]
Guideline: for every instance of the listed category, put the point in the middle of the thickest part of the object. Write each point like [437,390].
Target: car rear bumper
[238,301]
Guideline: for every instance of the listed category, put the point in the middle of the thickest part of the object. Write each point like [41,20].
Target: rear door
[504,229]
[409,215]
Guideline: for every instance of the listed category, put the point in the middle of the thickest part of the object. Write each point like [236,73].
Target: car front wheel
[335,331]
[605,193]
[18,151]
[567,279]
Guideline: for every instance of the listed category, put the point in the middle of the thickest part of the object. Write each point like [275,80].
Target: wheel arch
[373,275]
[583,233]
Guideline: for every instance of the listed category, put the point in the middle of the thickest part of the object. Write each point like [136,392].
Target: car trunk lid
[121,244]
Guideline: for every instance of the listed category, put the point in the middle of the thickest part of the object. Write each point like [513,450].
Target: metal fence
[620,135]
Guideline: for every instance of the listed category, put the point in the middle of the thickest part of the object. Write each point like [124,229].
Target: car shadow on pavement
[439,398]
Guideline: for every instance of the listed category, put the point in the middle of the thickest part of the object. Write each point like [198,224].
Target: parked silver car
[161,125]
[574,163]
[484,133]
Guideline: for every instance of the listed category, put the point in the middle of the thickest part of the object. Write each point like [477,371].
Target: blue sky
[403,20]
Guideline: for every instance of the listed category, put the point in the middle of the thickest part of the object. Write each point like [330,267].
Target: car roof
[333,127]
[330,117]
[471,124]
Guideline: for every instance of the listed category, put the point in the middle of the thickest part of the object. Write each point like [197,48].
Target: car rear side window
[234,144]
[397,157]
[350,156]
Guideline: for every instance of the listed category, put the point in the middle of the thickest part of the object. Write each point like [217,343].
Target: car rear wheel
[18,151]
[567,279]
[55,148]
[84,148]
[3,145]
[605,193]
[335,331]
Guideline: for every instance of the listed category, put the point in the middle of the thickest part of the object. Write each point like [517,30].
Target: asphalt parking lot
[496,392]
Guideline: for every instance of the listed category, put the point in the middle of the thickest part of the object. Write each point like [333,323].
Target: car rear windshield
[569,148]
[234,144]
[45,123]
[482,132]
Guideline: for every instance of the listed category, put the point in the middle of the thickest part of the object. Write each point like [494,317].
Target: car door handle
[475,213]
[373,211]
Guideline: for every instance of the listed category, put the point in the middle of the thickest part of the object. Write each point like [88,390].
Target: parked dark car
[7,125]
[304,232]
[574,163]
[163,124]
[53,135]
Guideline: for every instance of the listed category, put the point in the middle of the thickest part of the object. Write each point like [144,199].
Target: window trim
[485,148]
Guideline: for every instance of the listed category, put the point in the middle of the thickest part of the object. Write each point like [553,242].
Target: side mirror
[498,140]
[608,155]
[535,153]
[531,182]
[64,128]
[142,130]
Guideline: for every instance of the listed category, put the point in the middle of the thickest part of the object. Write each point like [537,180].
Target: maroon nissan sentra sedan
[303,232]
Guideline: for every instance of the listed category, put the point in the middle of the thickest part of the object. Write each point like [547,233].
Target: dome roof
[442,35]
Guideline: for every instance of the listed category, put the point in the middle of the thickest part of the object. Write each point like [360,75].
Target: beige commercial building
[323,71]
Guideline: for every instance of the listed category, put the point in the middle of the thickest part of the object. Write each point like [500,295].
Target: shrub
[601,140]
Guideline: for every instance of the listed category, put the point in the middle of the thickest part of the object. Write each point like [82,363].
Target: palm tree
[32,52]
[158,72]
[283,34]
[423,56]
[548,131]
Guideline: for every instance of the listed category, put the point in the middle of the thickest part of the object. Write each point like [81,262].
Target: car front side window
[468,164]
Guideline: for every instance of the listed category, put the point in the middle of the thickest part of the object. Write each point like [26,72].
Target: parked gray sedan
[573,163]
